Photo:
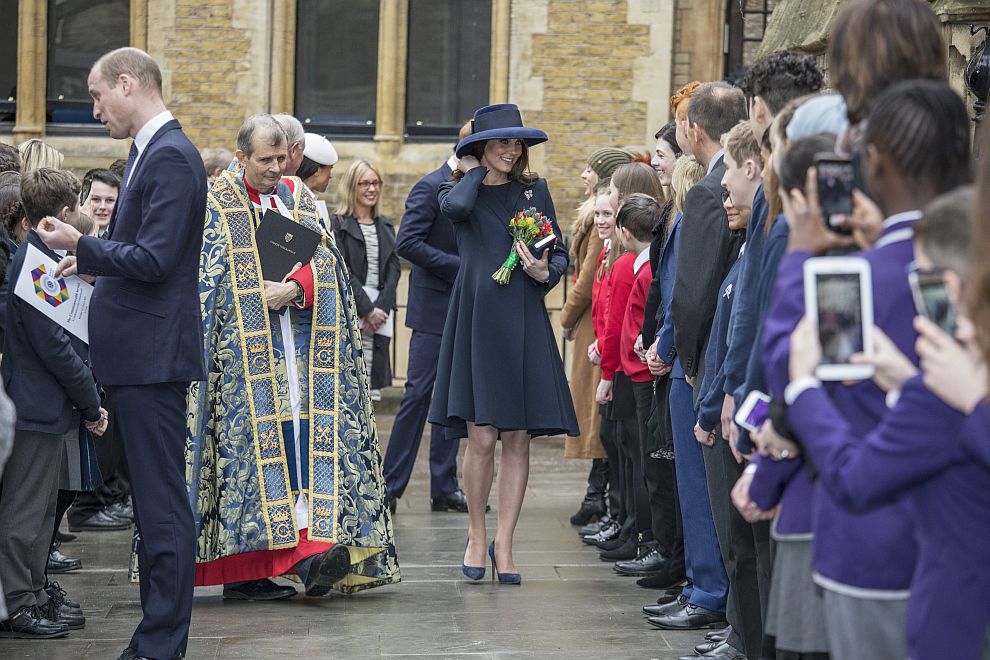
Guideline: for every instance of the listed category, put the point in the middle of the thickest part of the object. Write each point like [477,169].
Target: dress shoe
[622,553]
[258,590]
[688,617]
[327,570]
[679,601]
[650,562]
[606,533]
[617,542]
[131,654]
[29,623]
[122,510]
[455,501]
[62,537]
[60,563]
[57,593]
[595,527]
[724,651]
[590,510]
[720,635]
[662,580]
[73,619]
[101,521]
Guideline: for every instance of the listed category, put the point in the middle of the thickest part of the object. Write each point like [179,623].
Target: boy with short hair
[53,388]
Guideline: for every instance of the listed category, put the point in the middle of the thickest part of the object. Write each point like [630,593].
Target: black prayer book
[282,242]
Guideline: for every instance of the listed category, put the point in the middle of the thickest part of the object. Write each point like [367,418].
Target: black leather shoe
[662,580]
[590,510]
[121,510]
[101,521]
[131,654]
[679,601]
[721,652]
[258,590]
[617,542]
[326,570]
[720,635]
[650,562]
[57,593]
[62,537]
[689,617]
[60,563]
[73,619]
[455,501]
[29,623]
[622,553]
[595,527]
[606,533]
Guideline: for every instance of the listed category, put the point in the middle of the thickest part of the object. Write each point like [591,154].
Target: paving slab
[570,605]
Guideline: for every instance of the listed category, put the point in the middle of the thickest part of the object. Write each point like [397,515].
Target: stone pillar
[390,110]
[32,63]
[498,91]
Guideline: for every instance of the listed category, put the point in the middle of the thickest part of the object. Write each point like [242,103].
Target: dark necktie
[131,157]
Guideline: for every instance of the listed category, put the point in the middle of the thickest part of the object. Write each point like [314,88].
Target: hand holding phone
[835,190]
[753,411]
[838,298]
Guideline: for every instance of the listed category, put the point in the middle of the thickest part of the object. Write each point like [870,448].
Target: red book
[619,286]
[632,322]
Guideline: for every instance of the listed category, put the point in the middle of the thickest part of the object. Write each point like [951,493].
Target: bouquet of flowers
[527,226]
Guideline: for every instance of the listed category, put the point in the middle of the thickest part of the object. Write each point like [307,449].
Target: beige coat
[584,375]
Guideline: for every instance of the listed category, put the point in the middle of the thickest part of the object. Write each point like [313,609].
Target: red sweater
[599,298]
[632,324]
[620,284]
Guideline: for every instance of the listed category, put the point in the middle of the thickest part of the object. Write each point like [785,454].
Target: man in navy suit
[145,336]
[426,239]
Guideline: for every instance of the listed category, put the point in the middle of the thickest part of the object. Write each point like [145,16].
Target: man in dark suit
[426,239]
[706,252]
[145,333]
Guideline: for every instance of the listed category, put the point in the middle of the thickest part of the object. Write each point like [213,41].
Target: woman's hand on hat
[467,163]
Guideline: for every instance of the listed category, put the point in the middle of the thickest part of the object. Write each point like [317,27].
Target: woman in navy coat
[500,375]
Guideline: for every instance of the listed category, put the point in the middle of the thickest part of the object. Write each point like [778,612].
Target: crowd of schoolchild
[852,521]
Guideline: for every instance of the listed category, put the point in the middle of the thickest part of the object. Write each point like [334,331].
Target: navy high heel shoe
[503,578]
[472,572]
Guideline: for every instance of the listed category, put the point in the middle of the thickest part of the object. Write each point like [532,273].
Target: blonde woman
[575,318]
[366,239]
[36,154]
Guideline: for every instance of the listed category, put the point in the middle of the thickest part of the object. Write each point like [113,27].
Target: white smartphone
[838,296]
[753,411]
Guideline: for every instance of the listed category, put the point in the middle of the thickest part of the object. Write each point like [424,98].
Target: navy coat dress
[499,364]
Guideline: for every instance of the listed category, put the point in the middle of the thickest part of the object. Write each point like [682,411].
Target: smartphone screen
[835,186]
[840,316]
[759,413]
[934,301]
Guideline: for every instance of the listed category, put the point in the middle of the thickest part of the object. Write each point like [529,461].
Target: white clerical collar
[452,163]
[148,131]
[641,259]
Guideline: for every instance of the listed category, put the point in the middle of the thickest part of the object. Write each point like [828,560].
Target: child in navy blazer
[46,374]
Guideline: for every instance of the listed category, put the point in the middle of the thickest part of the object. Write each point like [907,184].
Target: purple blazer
[923,451]
[864,554]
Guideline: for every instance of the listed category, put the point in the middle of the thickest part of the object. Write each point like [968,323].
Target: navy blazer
[426,239]
[53,376]
[144,318]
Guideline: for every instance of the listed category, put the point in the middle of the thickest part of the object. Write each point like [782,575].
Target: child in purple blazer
[929,448]
[916,148]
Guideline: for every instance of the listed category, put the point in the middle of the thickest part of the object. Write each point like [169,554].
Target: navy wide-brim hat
[499,122]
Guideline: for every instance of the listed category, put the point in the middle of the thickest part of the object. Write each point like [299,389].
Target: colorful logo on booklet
[52,291]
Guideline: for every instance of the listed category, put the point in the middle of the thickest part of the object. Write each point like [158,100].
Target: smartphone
[753,411]
[838,297]
[931,299]
[835,187]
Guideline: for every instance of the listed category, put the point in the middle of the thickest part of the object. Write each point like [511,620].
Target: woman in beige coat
[576,321]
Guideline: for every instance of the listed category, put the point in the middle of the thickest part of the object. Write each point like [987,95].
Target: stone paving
[570,605]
